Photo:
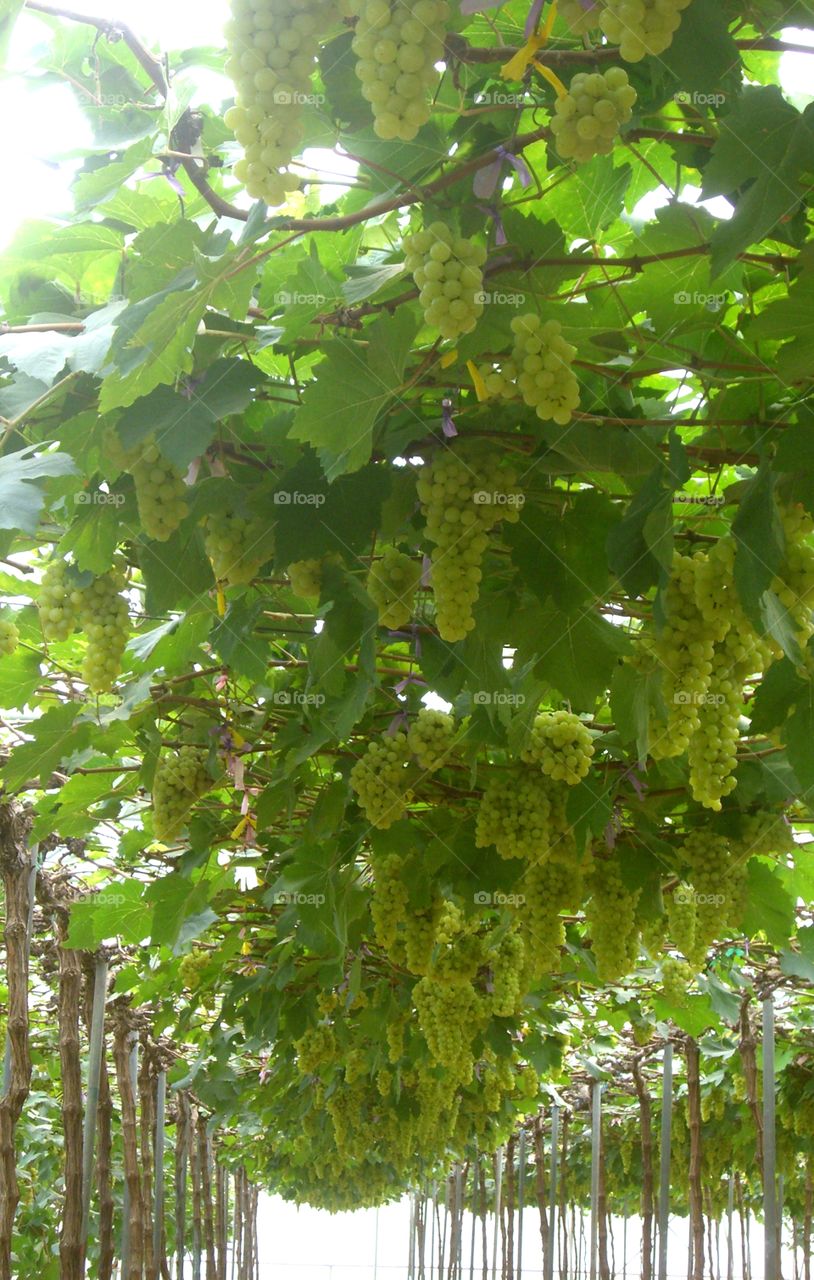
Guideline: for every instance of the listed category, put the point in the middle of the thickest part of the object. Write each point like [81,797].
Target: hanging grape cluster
[430,738]
[514,814]
[539,368]
[237,546]
[161,493]
[272,47]
[587,119]
[382,780]
[611,921]
[59,600]
[464,494]
[9,638]
[392,584]
[447,271]
[641,27]
[562,745]
[104,617]
[397,44]
[181,778]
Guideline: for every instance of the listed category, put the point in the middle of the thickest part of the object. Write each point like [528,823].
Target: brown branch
[695,1172]
[107,1204]
[71,1243]
[146,1088]
[646,1129]
[460,50]
[121,1053]
[15,868]
[113,30]
[747,1046]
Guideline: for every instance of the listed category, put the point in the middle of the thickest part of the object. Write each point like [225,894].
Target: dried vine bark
[541,1186]
[181,1158]
[695,1183]
[647,1201]
[121,1053]
[748,1052]
[71,1243]
[602,1213]
[15,866]
[197,1210]
[205,1160]
[221,1217]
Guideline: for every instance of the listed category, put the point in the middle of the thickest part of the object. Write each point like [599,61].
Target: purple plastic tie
[518,164]
[396,723]
[533,18]
[450,430]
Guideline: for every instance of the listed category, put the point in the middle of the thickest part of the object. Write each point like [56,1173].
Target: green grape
[449,1015]
[548,887]
[464,495]
[611,921]
[430,738]
[794,584]
[305,577]
[506,986]
[392,584]
[160,493]
[676,977]
[718,876]
[192,968]
[764,835]
[685,649]
[543,359]
[447,271]
[581,16]
[181,778]
[105,619]
[9,638]
[419,941]
[381,780]
[653,934]
[449,924]
[641,27]
[683,921]
[238,546]
[59,601]
[514,815]
[315,1048]
[397,45]
[587,120]
[272,48]
[389,906]
[499,380]
[562,745]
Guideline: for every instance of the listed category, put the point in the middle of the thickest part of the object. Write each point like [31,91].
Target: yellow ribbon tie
[515,68]
[241,827]
[221,602]
[448,358]
[548,74]
[477,381]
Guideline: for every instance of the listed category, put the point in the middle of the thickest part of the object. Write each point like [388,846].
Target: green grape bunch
[542,359]
[641,27]
[272,49]
[448,272]
[464,494]
[181,778]
[430,738]
[562,745]
[392,584]
[514,815]
[237,546]
[587,120]
[381,780]
[59,601]
[397,44]
[104,616]
[9,638]
[161,494]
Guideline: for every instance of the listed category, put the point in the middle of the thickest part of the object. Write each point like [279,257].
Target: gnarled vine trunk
[647,1201]
[71,1243]
[132,1174]
[695,1184]
[15,869]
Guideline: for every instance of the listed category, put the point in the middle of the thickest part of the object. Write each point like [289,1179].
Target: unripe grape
[397,46]
[380,780]
[611,920]
[447,271]
[392,584]
[105,619]
[58,602]
[581,16]
[236,545]
[641,28]
[543,360]
[562,745]
[430,738]
[181,778]
[9,638]
[586,122]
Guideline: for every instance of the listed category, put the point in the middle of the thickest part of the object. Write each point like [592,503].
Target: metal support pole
[97,1039]
[133,1068]
[158,1160]
[552,1203]
[730,1244]
[769,1146]
[596,1138]
[664,1170]
[498,1191]
[521,1196]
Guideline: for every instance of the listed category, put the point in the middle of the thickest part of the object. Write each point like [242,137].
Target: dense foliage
[409,583]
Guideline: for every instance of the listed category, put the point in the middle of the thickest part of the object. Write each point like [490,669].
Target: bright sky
[48,124]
